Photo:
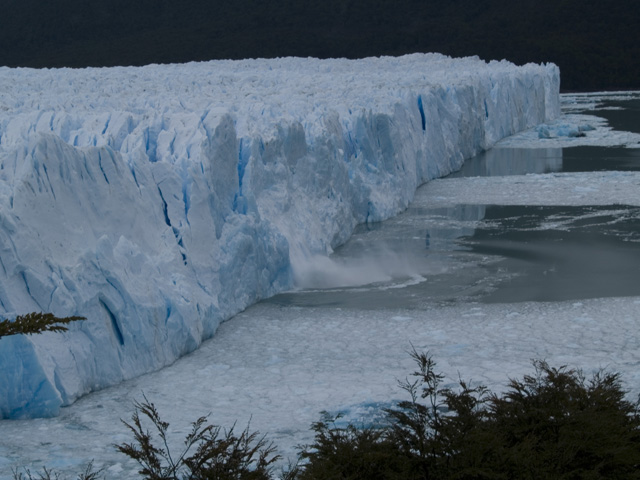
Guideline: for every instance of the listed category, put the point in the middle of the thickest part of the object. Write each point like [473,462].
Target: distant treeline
[596,43]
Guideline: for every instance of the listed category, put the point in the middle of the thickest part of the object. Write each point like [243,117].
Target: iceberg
[160,201]
[563,130]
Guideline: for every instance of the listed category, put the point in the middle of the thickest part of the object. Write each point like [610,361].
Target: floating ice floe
[563,130]
[578,126]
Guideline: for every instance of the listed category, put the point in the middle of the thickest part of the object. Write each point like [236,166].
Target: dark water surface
[520,161]
[491,253]
[561,253]
[621,114]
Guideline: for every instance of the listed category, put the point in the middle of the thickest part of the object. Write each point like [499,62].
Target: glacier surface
[159,201]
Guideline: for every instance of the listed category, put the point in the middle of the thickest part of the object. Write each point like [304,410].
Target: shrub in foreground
[46,474]
[209,453]
[554,424]
[350,452]
[558,424]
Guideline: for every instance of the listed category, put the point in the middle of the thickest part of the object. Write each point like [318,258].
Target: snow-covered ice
[159,201]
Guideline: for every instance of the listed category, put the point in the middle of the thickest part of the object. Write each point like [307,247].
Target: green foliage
[35,323]
[437,422]
[350,453]
[554,424]
[88,474]
[218,454]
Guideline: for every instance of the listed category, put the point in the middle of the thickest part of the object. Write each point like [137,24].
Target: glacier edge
[160,201]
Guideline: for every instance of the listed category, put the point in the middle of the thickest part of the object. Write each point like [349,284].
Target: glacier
[160,201]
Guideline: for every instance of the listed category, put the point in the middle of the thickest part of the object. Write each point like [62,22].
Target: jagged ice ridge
[159,201]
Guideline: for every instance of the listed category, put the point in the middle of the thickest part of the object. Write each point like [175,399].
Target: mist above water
[380,265]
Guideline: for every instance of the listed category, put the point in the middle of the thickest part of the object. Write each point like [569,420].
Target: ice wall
[160,201]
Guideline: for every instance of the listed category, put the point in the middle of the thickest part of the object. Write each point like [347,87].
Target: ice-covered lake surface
[530,252]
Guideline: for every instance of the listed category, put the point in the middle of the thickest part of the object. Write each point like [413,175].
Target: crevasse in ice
[159,201]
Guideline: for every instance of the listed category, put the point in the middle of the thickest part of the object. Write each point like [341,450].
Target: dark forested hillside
[595,43]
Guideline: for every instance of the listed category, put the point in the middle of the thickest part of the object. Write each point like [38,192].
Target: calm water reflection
[520,161]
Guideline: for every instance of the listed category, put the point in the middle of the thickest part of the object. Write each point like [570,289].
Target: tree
[36,323]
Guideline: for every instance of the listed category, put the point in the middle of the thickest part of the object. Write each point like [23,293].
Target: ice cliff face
[159,201]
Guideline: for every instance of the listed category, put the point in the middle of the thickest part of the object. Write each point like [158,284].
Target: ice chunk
[563,130]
